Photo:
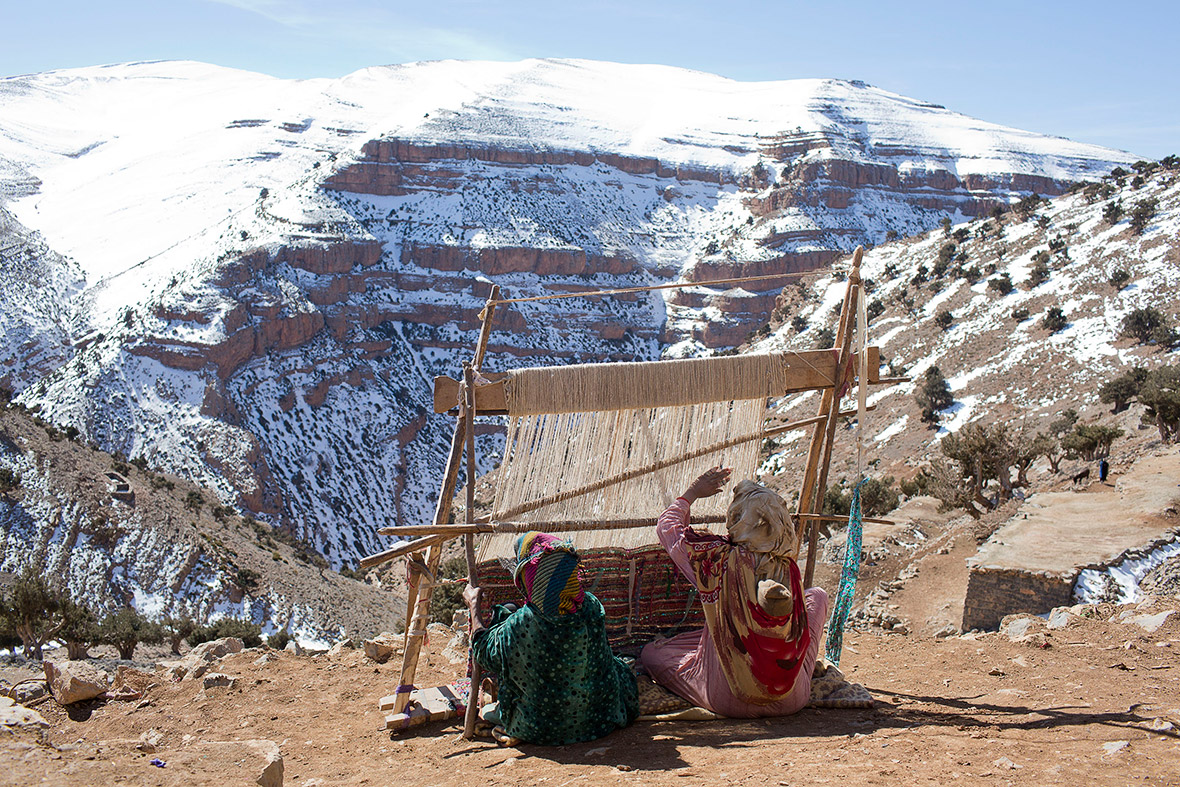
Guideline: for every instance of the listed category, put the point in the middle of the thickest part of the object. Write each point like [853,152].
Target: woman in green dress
[558,681]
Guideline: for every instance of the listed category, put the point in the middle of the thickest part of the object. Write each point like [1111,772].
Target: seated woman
[559,682]
[756,655]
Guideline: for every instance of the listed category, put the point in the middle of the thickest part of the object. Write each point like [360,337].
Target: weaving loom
[597,451]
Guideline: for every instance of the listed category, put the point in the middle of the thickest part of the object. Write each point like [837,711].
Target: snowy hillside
[1001,361]
[253,280]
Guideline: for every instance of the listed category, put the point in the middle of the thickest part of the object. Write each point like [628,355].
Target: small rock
[624,768]
[997,672]
[265,658]
[150,741]
[294,647]
[219,679]
[1115,746]
[460,620]
[949,630]
[900,628]
[1006,764]
[74,681]
[1160,725]
[341,646]
[25,693]
[1016,626]
[1059,618]
[382,647]
[1151,623]
[19,720]
[1036,640]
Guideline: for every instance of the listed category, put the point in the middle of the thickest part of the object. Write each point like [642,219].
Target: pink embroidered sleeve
[672,529]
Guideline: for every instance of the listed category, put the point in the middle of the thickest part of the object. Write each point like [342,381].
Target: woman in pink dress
[757,651]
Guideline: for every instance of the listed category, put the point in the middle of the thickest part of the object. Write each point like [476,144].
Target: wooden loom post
[816,473]
[469,539]
[420,596]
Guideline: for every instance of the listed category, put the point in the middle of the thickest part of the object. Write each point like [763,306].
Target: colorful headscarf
[547,573]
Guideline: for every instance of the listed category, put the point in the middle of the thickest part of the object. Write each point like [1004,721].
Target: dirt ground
[1094,706]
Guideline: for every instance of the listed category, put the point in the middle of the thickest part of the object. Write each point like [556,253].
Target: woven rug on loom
[642,591]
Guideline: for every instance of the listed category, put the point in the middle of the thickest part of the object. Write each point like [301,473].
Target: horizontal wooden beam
[401,550]
[808,370]
[555,526]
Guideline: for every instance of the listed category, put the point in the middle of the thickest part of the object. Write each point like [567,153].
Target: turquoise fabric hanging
[848,575]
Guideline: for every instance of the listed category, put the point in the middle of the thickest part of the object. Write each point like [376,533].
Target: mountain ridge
[275,269]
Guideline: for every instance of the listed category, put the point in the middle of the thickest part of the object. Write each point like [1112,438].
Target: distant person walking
[1103,470]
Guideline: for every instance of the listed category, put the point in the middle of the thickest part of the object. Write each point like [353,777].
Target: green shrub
[249,633]
[279,640]
[1054,319]
[1001,284]
[1119,278]
[448,597]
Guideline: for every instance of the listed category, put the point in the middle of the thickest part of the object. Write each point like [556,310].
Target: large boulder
[198,660]
[383,647]
[74,681]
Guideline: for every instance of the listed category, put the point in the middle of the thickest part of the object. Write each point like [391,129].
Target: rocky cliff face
[258,295]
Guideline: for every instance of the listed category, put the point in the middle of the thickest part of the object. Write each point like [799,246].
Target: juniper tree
[1122,389]
[1119,278]
[1090,441]
[1112,212]
[934,396]
[127,628]
[977,473]
[1141,213]
[1050,441]
[79,628]
[1148,325]
[1160,395]
[31,609]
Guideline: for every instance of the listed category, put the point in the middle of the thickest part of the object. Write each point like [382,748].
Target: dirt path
[958,708]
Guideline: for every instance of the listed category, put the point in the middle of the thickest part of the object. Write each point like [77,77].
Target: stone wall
[993,593]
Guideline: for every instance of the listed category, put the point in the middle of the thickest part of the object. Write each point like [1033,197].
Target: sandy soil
[957,708]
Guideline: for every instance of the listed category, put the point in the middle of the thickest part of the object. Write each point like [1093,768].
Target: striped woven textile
[643,594]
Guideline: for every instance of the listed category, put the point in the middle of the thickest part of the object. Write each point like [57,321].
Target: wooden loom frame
[831,371]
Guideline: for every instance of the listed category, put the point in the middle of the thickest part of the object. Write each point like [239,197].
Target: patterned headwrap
[547,573]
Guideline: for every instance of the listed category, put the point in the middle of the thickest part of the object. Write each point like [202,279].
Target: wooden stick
[577,525]
[844,340]
[400,550]
[548,526]
[472,710]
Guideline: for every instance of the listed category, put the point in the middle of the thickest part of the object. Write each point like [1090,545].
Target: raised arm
[672,527]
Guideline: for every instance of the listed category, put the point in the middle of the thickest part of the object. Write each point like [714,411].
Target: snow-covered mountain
[250,281]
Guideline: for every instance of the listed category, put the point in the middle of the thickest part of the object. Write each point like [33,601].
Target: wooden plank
[490,397]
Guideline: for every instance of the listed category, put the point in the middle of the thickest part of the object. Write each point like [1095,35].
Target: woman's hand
[471,596]
[708,483]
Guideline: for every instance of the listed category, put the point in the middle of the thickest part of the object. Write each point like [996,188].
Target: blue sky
[1096,72]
